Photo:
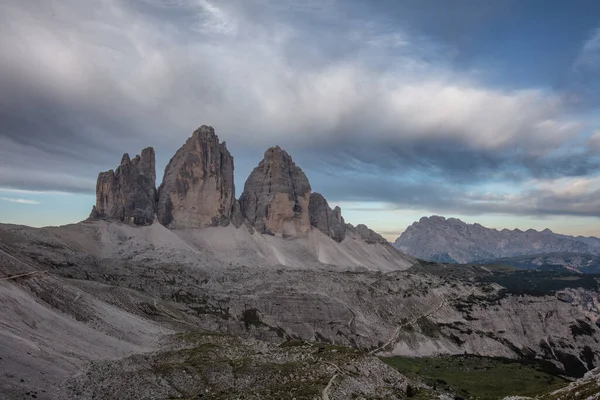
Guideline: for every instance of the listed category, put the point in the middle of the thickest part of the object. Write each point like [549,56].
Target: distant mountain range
[439,239]
[573,262]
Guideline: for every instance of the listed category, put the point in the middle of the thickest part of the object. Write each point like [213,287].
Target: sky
[485,111]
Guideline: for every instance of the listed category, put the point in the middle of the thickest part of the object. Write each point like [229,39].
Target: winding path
[325,393]
[396,333]
[22,275]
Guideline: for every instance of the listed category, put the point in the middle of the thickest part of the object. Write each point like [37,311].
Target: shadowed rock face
[368,235]
[276,196]
[129,193]
[328,221]
[197,189]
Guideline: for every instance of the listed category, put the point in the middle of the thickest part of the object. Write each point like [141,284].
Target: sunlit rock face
[276,196]
[197,189]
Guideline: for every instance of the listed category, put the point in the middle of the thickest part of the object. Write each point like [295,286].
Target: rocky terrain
[104,290]
[451,240]
[287,302]
[217,366]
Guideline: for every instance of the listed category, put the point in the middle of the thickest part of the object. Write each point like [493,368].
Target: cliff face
[276,196]
[129,193]
[328,221]
[197,189]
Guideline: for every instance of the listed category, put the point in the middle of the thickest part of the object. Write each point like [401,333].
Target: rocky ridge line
[198,191]
[439,239]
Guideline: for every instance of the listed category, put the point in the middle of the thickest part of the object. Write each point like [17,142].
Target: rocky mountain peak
[452,240]
[125,159]
[276,196]
[279,156]
[328,221]
[366,234]
[337,213]
[198,188]
[205,132]
[128,194]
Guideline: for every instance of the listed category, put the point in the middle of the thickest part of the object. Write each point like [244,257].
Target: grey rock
[368,235]
[129,193]
[259,371]
[198,189]
[276,196]
[328,221]
[111,298]
[237,219]
[436,238]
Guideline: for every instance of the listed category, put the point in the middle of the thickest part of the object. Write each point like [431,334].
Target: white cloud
[19,201]
[259,74]
[589,55]
[594,141]
[560,196]
[234,72]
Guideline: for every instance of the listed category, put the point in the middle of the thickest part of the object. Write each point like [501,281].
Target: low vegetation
[474,377]
[540,283]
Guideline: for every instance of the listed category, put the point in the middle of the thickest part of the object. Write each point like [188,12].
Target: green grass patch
[500,267]
[540,283]
[483,378]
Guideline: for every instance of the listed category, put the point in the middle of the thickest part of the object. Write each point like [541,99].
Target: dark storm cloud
[453,161]
[445,198]
[346,94]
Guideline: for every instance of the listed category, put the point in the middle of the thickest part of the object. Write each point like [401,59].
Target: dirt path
[325,393]
[22,275]
[396,333]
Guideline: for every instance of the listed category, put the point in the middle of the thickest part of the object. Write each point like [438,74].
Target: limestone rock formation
[276,196]
[129,193]
[328,221]
[442,239]
[366,234]
[197,189]
[237,219]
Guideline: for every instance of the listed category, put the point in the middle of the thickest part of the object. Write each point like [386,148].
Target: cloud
[589,55]
[561,196]
[594,142]
[19,201]
[339,90]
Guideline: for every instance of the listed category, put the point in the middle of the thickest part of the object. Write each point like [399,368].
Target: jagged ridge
[198,191]
[436,238]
